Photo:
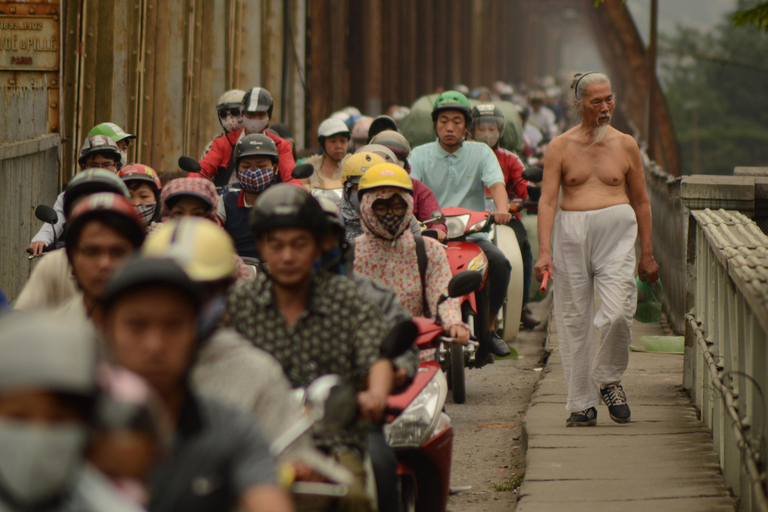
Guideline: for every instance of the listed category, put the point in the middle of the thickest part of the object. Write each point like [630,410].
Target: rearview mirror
[332,402]
[189,164]
[399,339]
[533,174]
[438,217]
[465,282]
[302,172]
[46,214]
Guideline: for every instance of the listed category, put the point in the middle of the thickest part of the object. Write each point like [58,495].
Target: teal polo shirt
[458,178]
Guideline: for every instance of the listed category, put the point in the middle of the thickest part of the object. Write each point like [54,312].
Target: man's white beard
[601,131]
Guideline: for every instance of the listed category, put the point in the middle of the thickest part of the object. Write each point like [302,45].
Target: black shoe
[585,418]
[498,346]
[528,320]
[614,397]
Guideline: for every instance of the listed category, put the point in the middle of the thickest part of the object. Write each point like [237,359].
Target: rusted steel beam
[317,65]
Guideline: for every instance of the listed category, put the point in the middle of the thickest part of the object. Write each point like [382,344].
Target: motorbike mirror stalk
[438,217]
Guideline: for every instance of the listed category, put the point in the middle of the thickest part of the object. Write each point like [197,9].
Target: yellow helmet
[204,250]
[385,175]
[357,164]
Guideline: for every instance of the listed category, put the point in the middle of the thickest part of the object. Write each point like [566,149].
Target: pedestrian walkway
[662,461]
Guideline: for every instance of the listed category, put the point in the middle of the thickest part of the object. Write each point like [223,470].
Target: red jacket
[512,168]
[425,204]
[217,159]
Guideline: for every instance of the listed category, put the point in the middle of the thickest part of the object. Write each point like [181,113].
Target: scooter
[417,428]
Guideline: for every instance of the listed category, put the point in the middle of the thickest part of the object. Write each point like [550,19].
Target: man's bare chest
[600,165]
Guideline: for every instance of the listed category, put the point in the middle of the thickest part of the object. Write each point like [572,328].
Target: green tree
[715,86]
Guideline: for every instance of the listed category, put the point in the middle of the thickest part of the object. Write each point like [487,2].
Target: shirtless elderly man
[604,206]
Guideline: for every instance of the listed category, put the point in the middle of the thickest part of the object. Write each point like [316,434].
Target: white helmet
[230,99]
[331,127]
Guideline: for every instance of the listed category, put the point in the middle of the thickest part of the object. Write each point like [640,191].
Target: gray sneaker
[585,418]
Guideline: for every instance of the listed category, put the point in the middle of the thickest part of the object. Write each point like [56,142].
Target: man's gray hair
[580,83]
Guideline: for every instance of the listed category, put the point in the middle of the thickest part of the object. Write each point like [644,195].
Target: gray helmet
[91,181]
[99,144]
[42,351]
[258,99]
[287,206]
[256,144]
[383,151]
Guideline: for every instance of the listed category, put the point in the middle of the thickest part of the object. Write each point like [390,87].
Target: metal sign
[29,43]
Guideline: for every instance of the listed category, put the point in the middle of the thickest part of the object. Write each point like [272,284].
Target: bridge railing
[714,268]
[726,345]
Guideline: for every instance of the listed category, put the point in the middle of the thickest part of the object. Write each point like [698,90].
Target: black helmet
[452,100]
[396,142]
[258,99]
[287,206]
[91,181]
[152,272]
[380,124]
[99,144]
[488,112]
[256,144]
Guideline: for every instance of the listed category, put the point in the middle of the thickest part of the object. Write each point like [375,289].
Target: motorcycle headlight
[456,225]
[478,263]
[417,422]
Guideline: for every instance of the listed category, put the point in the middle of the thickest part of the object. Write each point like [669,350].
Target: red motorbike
[417,428]
[464,256]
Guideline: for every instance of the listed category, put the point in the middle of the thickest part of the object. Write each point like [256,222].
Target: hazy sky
[702,14]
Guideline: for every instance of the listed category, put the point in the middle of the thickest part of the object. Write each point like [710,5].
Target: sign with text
[29,43]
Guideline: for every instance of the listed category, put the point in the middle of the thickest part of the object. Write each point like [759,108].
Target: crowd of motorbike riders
[149,360]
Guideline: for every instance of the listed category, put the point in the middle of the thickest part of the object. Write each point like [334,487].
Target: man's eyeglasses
[234,112]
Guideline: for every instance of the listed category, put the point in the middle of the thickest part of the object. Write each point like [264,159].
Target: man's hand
[460,333]
[372,405]
[648,269]
[36,248]
[501,217]
[441,236]
[543,264]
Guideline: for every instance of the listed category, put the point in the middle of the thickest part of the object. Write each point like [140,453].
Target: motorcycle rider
[333,136]
[387,251]
[97,152]
[314,323]
[256,160]
[229,111]
[219,166]
[51,282]
[117,134]
[47,397]
[220,460]
[380,124]
[457,172]
[144,185]
[354,168]
[488,127]
[424,202]
[359,133]
[227,366]
[104,230]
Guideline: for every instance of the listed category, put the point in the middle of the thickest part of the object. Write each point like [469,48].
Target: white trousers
[594,248]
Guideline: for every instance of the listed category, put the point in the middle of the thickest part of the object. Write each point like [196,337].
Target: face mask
[391,222]
[255,125]
[232,123]
[147,212]
[123,157]
[489,138]
[255,180]
[37,463]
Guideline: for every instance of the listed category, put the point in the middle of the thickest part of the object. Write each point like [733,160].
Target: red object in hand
[544,281]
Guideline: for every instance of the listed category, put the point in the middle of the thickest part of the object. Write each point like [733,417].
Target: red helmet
[140,172]
[112,209]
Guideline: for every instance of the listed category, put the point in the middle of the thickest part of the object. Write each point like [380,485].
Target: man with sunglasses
[219,165]
[230,114]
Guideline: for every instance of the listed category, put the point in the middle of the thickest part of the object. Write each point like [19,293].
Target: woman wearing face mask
[219,164]
[230,113]
[47,399]
[256,160]
[386,252]
[144,184]
[354,168]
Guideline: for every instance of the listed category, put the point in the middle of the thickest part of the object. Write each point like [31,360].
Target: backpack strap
[421,255]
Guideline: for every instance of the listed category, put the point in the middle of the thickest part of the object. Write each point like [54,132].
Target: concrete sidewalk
[662,461]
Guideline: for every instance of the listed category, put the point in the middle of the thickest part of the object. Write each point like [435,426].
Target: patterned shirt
[339,332]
